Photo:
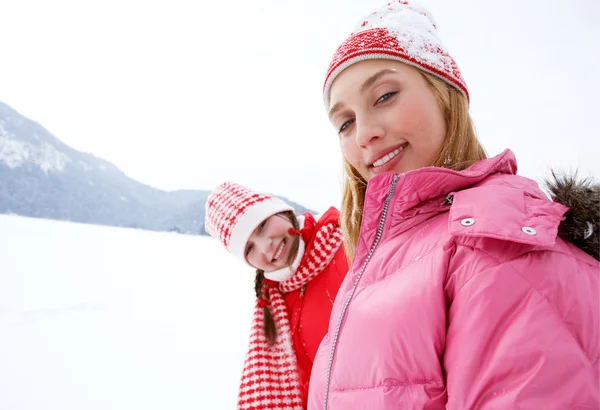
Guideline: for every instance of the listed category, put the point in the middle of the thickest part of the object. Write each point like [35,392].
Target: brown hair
[269,327]
[460,149]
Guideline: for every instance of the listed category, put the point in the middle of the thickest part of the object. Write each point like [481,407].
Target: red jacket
[309,308]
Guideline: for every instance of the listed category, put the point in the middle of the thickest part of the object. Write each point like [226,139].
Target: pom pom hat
[401,31]
[233,212]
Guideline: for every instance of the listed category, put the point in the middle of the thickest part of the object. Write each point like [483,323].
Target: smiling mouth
[279,251]
[383,160]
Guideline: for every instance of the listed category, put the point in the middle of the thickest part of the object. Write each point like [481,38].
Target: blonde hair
[460,149]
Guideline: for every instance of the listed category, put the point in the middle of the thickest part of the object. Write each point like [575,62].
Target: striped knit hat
[402,31]
[234,211]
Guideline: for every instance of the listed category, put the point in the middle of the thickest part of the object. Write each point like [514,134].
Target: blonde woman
[462,294]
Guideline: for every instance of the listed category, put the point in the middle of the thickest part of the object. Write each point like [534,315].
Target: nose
[368,130]
[264,244]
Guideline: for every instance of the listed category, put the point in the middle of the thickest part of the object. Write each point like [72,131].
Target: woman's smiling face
[387,116]
[270,244]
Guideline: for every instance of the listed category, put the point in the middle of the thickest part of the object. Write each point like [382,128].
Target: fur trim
[581,225]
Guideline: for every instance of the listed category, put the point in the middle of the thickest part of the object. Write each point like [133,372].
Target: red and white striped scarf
[270,376]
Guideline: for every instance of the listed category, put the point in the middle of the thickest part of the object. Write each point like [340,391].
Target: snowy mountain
[42,177]
[105,318]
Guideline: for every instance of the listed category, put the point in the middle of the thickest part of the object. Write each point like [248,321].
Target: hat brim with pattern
[233,212]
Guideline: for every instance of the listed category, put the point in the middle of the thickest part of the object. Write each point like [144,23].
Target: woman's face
[387,117]
[269,245]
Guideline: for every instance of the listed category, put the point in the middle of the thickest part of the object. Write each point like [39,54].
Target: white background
[101,318]
[187,94]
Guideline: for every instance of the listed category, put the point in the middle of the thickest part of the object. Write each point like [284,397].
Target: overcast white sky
[187,94]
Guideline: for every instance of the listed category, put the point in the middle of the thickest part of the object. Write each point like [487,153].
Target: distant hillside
[42,177]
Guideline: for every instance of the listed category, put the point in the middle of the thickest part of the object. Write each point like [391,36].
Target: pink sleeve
[508,344]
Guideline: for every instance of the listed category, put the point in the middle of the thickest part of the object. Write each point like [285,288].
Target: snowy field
[107,318]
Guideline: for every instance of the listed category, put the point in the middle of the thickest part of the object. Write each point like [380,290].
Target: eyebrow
[366,84]
[371,80]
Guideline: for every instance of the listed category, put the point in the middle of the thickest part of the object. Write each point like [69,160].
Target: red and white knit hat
[234,211]
[401,31]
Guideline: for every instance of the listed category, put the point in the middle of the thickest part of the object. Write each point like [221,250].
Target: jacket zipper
[353,290]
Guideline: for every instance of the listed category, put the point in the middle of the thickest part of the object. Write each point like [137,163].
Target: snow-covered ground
[106,318]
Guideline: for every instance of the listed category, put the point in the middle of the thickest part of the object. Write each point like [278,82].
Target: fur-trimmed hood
[581,223]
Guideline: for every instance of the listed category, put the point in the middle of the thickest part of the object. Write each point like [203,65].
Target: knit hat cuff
[388,55]
[247,223]
[381,44]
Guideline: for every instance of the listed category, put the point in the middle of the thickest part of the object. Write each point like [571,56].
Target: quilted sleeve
[523,333]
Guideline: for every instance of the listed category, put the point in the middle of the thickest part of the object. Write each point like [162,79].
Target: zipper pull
[302,290]
[393,186]
[449,199]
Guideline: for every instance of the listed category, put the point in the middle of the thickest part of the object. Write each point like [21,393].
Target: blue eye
[386,96]
[345,125]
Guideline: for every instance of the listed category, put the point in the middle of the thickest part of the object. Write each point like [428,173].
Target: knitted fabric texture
[234,211]
[270,376]
[402,31]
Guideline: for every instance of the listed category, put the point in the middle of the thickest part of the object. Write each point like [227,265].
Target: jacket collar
[421,185]
[422,193]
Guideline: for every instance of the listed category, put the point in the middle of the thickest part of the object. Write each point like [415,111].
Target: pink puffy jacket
[461,296]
